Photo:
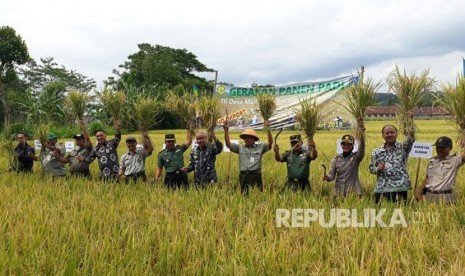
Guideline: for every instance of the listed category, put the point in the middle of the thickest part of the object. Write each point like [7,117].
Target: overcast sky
[267,42]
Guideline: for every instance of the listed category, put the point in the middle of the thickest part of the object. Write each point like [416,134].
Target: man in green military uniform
[172,158]
[298,162]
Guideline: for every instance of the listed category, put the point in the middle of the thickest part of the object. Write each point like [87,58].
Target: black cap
[78,136]
[295,138]
[443,141]
[169,137]
[130,139]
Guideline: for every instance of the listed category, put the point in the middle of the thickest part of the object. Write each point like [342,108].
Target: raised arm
[312,149]
[268,134]
[277,156]
[147,142]
[227,140]
[188,137]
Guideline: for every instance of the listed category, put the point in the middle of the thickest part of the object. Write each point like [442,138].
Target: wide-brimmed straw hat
[249,132]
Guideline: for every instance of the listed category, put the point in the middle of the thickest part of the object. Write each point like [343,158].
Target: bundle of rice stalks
[209,108]
[113,102]
[183,106]
[358,97]
[76,103]
[42,132]
[410,91]
[146,112]
[8,147]
[266,104]
[308,117]
[454,102]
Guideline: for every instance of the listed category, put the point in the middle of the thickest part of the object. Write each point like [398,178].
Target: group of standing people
[388,162]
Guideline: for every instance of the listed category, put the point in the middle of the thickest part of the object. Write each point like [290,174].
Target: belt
[297,179]
[250,172]
[137,174]
[176,172]
[439,192]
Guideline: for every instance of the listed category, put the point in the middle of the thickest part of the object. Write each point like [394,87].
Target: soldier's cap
[170,137]
[295,138]
[130,139]
[347,138]
[78,136]
[249,133]
[443,141]
[52,136]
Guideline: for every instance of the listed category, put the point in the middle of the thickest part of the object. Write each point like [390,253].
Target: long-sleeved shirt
[345,171]
[394,177]
[25,161]
[107,156]
[202,162]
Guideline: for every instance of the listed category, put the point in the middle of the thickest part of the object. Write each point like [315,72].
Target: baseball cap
[170,137]
[130,139]
[52,136]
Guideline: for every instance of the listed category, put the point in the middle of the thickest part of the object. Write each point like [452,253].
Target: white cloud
[248,41]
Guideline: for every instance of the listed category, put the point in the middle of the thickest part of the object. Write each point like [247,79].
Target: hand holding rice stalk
[359,96]
[266,104]
[183,106]
[8,148]
[308,117]
[410,91]
[76,103]
[113,102]
[454,102]
[146,112]
[210,112]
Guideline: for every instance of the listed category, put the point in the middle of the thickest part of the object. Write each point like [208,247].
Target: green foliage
[161,66]
[94,126]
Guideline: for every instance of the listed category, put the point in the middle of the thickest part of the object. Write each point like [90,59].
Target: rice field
[71,226]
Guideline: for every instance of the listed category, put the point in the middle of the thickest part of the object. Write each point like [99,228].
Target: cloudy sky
[275,42]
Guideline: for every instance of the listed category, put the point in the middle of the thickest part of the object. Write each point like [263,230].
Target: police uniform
[441,174]
[344,169]
[173,161]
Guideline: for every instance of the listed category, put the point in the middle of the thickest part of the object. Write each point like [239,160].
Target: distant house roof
[418,111]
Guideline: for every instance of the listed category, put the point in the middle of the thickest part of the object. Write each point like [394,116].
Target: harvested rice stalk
[358,97]
[76,103]
[454,102]
[147,112]
[209,108]
[267,105]
[183,106]
[113,102]
[308,117]
[410,91]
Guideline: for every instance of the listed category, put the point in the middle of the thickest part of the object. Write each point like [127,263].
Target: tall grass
[454,102]
[147,112]
[410,91]
[76,103]
[7,147]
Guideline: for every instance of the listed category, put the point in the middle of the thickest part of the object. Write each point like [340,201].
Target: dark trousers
[112,178]
[298,183]
[391,196]
[85,174]
[176,180]
[136,176]
[248,179]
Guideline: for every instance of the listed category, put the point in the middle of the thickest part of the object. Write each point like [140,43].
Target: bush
[97,125]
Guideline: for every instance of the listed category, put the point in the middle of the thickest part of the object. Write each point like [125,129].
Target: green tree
[161,66]
[13,52]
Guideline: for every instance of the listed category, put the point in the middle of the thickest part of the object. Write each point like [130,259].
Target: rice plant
[209,108]
[358,97]
[113,102]
[76,103]
[308,117]
[410,91]
[454,102]
[146,112]
[8,148]
[183,106]
[266,104]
